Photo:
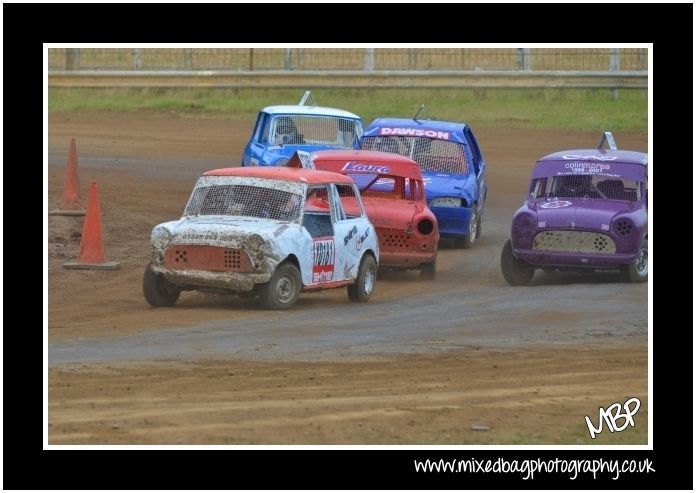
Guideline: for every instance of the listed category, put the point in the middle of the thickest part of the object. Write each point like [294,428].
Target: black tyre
[282,291]
[157,290]
[427,271]
[364,285]
[637,271]
[479,225]
[516,272]
[468,241]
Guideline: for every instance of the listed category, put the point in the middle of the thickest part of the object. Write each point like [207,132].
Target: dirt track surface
[462,323]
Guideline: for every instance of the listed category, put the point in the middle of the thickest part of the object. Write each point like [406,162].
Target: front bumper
[233,281]
[543,258]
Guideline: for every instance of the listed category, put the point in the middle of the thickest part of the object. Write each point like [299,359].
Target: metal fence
[353,59]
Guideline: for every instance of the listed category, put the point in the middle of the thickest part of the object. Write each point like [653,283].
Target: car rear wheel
[282,291]
[637,271]
[157,290]
[516,272]
[427,271]
[361,290]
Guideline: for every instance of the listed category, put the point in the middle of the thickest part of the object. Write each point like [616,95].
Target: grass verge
[582,109]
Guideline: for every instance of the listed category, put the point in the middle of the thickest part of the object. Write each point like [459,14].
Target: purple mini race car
[586,209]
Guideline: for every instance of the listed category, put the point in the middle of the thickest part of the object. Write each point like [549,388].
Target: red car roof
[397,164]
[283,173]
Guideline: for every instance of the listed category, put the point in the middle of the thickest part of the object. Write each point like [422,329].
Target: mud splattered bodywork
[241,225]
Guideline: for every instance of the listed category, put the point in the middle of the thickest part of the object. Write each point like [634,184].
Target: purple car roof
[608,155]
[601,162]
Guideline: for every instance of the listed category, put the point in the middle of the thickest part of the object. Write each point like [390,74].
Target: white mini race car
[268,231]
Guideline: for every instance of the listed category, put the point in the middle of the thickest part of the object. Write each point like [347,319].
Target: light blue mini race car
[452,165]
[280,131]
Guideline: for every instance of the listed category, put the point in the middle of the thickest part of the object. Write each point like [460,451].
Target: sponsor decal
[370,168]
[578,167]
[542,224]
[324,259]
[359,240]
[555,204]
[605,227]
[200,236]
[591,157]
[350,234]
[415,132]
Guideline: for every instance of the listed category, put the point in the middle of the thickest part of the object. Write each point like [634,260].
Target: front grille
[574,241]
[198,257]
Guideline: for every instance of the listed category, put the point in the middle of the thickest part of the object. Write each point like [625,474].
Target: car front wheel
[472,234]
[361,290]
[282,291]
[516,272]
[157,290]
[637,271]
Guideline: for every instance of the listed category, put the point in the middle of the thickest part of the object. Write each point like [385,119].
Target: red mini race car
[391,187]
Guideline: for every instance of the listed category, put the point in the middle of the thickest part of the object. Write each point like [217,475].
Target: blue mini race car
[280,131]
[453,168]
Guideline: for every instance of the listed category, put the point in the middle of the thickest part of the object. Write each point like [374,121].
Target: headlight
[160,237]
[254,243]
[281,162]
[623,227]
[425,226]
[524,224]
[446,202]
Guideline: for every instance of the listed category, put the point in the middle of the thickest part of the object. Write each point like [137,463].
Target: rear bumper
[542,258]
[452,221]
[405,260]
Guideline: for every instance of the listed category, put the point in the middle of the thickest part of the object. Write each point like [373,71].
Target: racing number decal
[324,260]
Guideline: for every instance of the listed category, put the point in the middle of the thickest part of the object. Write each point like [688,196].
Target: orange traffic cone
[70,201]
[91,245]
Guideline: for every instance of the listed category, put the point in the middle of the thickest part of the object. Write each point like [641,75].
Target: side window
[414,190]
[317,214]
[337,212]
[349,200]
[475,152]
[261,129]
[538,188]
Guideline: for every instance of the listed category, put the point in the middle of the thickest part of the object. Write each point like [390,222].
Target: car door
[351,230]
[479,168]
[257,143]
[318,258]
